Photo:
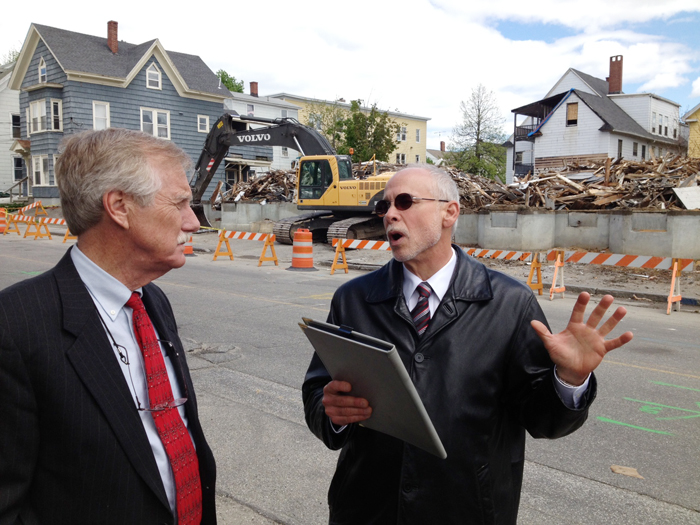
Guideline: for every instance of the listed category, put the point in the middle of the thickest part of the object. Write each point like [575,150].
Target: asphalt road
[248,356]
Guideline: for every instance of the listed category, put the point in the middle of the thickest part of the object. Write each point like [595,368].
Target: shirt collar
[107,292]
[439,282]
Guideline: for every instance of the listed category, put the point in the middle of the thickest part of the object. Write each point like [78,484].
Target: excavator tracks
[317,222]
[368,227]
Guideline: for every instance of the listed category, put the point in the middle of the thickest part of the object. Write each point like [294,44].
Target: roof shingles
[89,54]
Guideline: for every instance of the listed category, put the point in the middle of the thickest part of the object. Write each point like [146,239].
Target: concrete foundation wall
[671,234]
[248,217]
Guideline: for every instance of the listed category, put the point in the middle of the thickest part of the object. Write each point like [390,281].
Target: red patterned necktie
[421,312]
[171,430]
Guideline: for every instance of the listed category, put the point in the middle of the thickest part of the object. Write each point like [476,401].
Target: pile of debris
[275,186]
[619,184]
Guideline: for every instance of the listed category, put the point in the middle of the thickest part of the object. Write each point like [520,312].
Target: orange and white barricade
[354,244]
[269,239]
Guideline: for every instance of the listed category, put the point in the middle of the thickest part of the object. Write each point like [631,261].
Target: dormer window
[153,77]
[42,71]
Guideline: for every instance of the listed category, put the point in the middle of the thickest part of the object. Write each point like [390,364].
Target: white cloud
[696,88]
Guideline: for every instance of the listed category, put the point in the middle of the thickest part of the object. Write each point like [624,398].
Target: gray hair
[444,186]
[93,163]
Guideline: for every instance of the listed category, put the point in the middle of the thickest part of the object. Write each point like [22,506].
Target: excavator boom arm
[228,131]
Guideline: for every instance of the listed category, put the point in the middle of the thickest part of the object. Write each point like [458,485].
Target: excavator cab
[323,181]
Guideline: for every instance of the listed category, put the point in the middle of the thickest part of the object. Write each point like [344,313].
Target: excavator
[336,204]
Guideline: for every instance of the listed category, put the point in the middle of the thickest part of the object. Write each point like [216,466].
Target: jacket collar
[93,360]
[470,281]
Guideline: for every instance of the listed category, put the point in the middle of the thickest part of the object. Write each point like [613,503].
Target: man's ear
[451,214]
[116,205]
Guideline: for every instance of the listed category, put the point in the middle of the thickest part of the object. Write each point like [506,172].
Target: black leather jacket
[484,378]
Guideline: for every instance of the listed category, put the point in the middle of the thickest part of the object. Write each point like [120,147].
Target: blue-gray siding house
[72,82]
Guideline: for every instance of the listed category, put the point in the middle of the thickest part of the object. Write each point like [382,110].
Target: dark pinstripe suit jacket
[72,447]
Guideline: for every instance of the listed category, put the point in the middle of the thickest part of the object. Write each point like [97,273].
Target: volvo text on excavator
[338,205]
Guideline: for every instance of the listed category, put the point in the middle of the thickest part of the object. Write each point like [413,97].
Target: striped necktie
[421,312]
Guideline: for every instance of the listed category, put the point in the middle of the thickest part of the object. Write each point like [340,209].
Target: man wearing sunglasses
[98,416]
[476,345]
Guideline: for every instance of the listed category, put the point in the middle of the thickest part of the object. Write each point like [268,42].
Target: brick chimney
[112,41]
[442,145]
[615,78]
[254,89]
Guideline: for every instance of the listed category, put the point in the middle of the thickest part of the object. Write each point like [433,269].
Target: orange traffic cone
[303,251]
[189,248]
[3,220]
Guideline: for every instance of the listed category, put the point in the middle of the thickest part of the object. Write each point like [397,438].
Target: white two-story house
[587,119]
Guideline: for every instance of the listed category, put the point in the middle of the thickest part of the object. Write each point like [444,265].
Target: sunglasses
[402,202]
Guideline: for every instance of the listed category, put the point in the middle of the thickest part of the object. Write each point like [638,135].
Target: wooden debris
[618,184]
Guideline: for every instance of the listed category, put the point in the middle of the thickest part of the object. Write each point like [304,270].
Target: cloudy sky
[420,57]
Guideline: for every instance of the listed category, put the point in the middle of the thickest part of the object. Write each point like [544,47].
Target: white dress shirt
[110,296]
[440,282]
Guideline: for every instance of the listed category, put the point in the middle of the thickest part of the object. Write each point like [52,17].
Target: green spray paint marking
[675,386]
[606,420]
[31,273]
[655,408]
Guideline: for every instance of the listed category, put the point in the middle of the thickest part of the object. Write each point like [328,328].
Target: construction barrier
[189,248]
[356,245]
[36,206]
[269,239]
[535,271]
[674,295]
[38,230]
[12,226]
[69,236]
[303,251]
[605,259]
[3,220]
[558,288]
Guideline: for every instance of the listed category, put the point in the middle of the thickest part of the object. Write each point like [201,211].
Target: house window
[400,158]
[619,149]
[100,115]
[155,122]
[634,149]
[653,122]
[666,126]
[284,113]
[56,115]
[42,71]
[18,168]
[417,159]
[203,123]
[519,157]
[675,128]
[572,114]
[37,116]
[644,151]
[401,135]
[417,136]
[41,170]
[250,110]
[16,127]
[285,152]
[153,77]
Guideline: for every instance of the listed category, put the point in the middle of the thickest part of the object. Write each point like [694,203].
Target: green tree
[233,85]
[10,56]
[477,141]
[369,133]
[328,120]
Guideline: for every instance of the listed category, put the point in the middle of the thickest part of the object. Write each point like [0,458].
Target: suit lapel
[93,360]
